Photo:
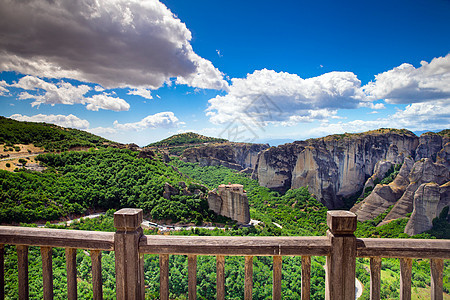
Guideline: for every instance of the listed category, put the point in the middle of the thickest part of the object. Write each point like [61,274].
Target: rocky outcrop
[429,200]
[237,156]
[332,167]
[230,201]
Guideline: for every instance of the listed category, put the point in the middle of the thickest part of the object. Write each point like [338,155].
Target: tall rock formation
[230,201]
[429,200]
[335,166]
[237,156]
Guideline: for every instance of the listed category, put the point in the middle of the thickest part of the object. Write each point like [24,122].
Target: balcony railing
[340,247]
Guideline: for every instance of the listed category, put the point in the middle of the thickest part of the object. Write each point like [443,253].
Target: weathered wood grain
[2,272]
[248,281]
[306,277]
[22,265]
[97,283]
[406,248]
[405,278]
[226,245]
[164,276]
[375,278]
[220,277]
[192,277]
[47,272]
[276,286]
[437,267]
[71,268]
[45,237]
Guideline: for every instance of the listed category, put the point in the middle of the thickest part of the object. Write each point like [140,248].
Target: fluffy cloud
[121,43]
[406,84]
[416,116]
[65,93]
[69,121]
[160,120]
[145,93]
[3,90]
[266,96]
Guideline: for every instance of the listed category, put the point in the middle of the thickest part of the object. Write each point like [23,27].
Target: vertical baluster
[405,278]
[2,272]
[276,286]
[220,277]
[47,272]
[437,266]
[192,277]
[22,264]
[96,259]
[164,276]
[71,267]
[248,283]
[375,278]
[306,277]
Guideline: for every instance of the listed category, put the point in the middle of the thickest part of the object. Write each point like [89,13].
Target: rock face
[237,156]
[334,166]
[429,200]
[230,201]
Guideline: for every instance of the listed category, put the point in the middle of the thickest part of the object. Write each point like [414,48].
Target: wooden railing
[340,247]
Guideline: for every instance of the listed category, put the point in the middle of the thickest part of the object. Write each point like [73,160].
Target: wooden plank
[248,281]
[220,277]
[71,268]
[46,237]
[47,272]
[241,246]
[437,267]
[192,277]
[2,272]
[403,248]
[405,278]
[22,265]
[375,278]
[276,290]
[97,283]
[164,276]
[306,277]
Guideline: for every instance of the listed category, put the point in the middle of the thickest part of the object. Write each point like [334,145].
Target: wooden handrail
[45,237]
[235,245]
[403,248]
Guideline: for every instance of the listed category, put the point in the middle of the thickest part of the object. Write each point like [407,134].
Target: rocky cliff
[335,166]
[230,201]
[237,156]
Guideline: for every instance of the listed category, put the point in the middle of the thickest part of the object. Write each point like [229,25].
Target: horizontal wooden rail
[403,248]
[45,237]
[241,246]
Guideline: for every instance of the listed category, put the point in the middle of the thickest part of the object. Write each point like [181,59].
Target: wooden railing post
[341,262]
[129,267]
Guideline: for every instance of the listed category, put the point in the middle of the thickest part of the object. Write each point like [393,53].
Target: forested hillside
[184,139]
[101,179]
[47,136]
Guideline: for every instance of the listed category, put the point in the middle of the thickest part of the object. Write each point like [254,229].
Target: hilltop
[185,139]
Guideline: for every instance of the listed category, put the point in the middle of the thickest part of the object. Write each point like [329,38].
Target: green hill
[48,136]
[185,139]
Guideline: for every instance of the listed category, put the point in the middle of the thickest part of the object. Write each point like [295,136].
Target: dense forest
[48,136]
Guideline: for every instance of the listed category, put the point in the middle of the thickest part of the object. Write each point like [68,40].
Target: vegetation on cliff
[185,139]
[48,136]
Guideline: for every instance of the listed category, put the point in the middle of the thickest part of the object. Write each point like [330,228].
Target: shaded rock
[429,200]
[169,191]
[247,171]
[430,144]
[230,201]
[146,153]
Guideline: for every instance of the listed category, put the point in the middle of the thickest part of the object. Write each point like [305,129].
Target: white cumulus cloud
[266,96]
[160,120]
[69,121]
[65,93]
[120,43]
[3,91]
[406,84]
[143,92]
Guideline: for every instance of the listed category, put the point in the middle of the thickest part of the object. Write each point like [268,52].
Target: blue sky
[139,71]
